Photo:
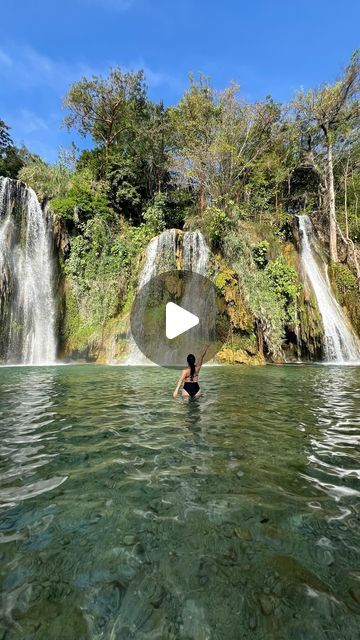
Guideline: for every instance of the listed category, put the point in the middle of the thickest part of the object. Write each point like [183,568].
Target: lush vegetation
[11,158]
[239,171]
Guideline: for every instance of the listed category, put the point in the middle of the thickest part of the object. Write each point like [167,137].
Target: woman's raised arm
[202,356]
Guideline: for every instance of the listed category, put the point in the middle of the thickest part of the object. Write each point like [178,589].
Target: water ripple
[128,514]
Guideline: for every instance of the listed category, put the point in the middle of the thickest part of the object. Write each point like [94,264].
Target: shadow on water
[193,413]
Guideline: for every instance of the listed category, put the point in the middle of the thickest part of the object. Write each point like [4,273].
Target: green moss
[343,278]
[346,291]
[237,310]
[77,333]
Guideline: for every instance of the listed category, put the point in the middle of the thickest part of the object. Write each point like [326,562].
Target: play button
[178,320]
[176,313]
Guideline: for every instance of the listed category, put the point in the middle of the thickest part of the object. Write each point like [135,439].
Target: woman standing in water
[189,377]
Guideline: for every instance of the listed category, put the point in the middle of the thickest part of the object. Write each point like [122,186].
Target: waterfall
[161,250]
[27,309]
[160,256]
[172,249]
[196,252]
[340,343]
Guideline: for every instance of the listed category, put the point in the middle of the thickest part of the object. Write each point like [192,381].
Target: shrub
[345,280]
[260,253]
[48,181]
[154,215]
[214,224]
[284,282]
[84,200]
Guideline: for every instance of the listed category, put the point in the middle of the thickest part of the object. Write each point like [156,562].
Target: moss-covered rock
[229,355]
[236,308]
[346,290]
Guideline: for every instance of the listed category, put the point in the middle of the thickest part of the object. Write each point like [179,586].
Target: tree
[136,174]
[243,138]
[107,109]
[5,140]
[10,157]
[155,140]
[194,120]
[324,114]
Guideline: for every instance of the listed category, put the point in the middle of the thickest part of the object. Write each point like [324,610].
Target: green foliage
[344,278]
[11,159]
[84,200]
[154,215]
[260,253]
[76,332]
[214,223]
[101,266]
[124,187]
[214,162]
[347,290]
[5,139]
[180,206]
[10,163]
[128,246]
[194,123]
[262,300]
[106,108]
[95,273]
[284,282]
[48,181]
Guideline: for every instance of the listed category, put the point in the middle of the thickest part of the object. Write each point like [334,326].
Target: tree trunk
[202,200]
[106,157]
[332,212]
[277,216]
[355,194]
[346,170]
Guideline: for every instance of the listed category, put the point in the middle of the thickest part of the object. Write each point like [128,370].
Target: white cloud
[29,122]
[39,82]
[154,78]
[5,59]
[40,133]
[25,68]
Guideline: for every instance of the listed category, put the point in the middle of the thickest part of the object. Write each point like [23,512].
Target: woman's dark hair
[191,362]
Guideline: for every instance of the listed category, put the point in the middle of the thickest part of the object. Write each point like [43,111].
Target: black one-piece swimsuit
[191,388]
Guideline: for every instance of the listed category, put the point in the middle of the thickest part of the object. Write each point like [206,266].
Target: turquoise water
[126,514]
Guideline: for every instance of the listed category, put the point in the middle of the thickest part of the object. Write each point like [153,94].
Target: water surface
[126,514]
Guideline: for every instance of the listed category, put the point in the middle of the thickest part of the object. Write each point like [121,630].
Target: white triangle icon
[178,320]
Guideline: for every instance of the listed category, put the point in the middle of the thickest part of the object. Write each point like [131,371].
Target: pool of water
[126,514]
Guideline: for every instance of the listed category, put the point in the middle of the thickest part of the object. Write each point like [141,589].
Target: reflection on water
[333,456]
[23,436]
[126,514]
[193,414]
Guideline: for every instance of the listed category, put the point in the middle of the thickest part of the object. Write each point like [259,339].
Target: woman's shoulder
[186,370]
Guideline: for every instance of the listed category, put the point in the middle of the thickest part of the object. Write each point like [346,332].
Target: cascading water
[196,259]
[161,250]
[27,310]
[340,343]
[196,252]
[172,249]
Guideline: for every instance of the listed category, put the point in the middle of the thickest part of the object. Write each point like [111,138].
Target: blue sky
[267,47]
